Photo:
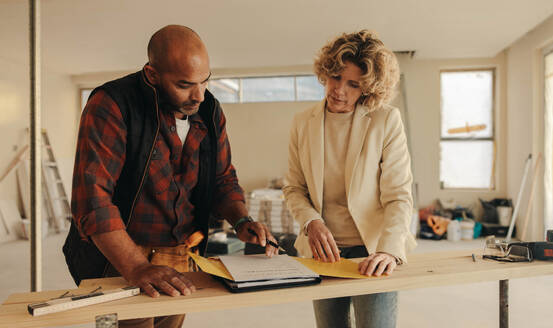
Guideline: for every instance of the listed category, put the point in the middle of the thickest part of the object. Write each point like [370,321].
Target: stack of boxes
[269,207]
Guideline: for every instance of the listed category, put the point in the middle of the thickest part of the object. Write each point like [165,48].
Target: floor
[471,305]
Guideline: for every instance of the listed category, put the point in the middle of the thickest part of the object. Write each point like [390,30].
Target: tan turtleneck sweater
[337,127]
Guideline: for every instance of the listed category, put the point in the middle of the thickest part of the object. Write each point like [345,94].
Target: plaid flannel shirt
[163,213]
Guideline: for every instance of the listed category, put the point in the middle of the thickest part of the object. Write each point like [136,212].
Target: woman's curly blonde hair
[380,70]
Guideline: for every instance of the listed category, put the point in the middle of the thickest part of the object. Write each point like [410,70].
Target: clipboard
[240,287]
[253,272]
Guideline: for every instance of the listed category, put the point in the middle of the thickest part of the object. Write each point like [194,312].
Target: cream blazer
[377,176]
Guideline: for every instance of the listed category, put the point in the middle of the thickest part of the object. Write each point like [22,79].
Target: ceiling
[81,36]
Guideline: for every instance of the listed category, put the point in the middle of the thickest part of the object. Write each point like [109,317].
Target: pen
[272,243]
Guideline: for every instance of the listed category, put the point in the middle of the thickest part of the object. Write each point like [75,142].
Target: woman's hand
[377,264]
[322,243]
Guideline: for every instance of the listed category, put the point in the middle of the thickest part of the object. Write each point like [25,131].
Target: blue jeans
[371,311]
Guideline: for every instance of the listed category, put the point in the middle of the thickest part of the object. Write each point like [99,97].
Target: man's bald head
[172,44]
[178,68]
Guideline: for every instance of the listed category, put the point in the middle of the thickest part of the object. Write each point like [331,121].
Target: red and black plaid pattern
[163,214]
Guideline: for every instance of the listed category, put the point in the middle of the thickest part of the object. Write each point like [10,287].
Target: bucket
[453,231]
[504,214]
[467,229]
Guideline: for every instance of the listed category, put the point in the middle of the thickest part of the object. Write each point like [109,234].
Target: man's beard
[188,108]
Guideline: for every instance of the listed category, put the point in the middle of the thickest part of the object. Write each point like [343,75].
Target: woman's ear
[151,74]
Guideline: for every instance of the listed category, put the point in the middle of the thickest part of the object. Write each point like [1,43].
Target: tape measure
[73,302]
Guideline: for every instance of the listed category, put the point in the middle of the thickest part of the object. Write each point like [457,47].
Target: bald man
[152,166]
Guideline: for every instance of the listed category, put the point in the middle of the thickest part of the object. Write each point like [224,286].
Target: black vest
[138,103]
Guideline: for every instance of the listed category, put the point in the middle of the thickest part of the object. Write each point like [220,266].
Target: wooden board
[14,162]
[422,271]
[4,230]
[11,219]
[23,187]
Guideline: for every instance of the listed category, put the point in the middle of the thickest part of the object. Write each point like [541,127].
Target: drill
[540,250]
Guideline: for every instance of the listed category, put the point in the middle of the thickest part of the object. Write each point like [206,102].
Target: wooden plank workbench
[423,270]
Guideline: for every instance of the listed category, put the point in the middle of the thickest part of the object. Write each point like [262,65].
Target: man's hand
[377,264]
[153,278]
[128,260]
[322,242]
[257,233]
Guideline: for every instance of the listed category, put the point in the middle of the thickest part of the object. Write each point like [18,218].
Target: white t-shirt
[183,126]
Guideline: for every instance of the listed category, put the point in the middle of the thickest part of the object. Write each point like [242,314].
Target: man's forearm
[121,251]
[232,210]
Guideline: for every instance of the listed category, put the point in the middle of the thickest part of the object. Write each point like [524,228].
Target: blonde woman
[349,178]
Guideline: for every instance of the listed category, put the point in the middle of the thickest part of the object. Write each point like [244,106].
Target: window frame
[492,138]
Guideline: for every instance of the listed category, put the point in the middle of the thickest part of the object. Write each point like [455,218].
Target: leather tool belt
[175,257]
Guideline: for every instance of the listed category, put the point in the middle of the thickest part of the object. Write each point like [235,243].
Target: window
[467,145]
[258,89]
[309,88]
[226,90]
[267,89]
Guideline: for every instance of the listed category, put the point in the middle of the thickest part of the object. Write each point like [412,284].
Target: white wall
[59,100]
[14,87]
[14,117]
[59,114]
[259,134]
[525,117]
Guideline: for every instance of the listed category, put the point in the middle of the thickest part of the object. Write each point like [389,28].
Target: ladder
[55,197]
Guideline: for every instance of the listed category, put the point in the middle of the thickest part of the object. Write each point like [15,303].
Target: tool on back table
[438,224]
[518,251]
[540,250]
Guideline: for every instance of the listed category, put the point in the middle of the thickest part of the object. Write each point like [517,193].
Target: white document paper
[260,267]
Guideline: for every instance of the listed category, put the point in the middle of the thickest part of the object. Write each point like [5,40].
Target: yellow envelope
[342,269]
[211,266]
